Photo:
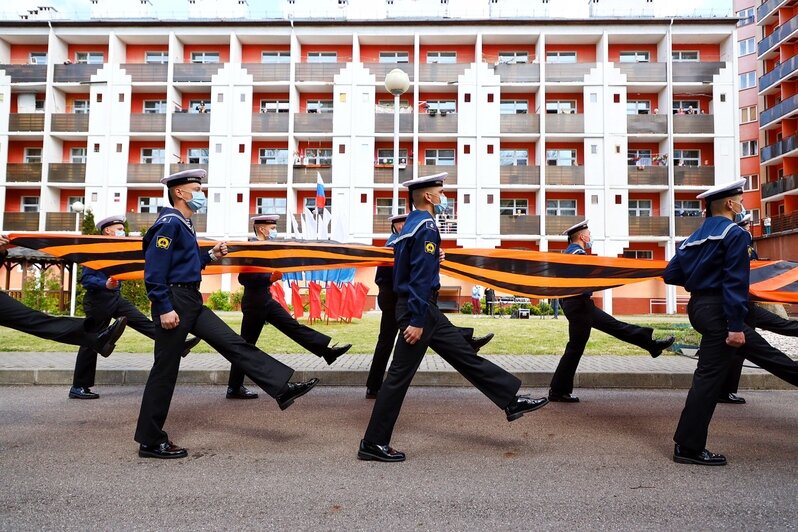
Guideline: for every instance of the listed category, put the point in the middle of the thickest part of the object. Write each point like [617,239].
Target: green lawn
[519,337]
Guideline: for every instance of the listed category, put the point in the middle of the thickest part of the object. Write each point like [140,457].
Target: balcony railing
[648,226]
[694,176]
[21,221]
[26,73]
[648,175]
[380,224]
[779,34]
[307,174]
[23,172]
[200,221]
[181,167]
[313,122]
[380,70]
[26,122]
[431,169]
[565,175]
[191,122]
[643,72]
[61,221]
[67,173]
[270,122]
[384,175]
[519,225]
[786,69]
[693,124]
[70,122]
[687,225]
[148,122]
[271,174]
[780,110]
[144,173]
[555,225]
[519,123]
[518,73]
[519,175]
[568,71]
[262,72]
[766,8]
[190,72]
[779,148]
[702,72]
[646,124]
[323,72]
[784,222]
[282,223]
[441,72]
[437,123]
[780,186]
[75,73]
[383,123]
[146,73]
[140,221]
[565,123]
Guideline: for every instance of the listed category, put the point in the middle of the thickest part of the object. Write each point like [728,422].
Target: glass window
[275,57]
[199,106]
[513,57]
[154,106]
[394,57]
[156,58]
[687,157]
[561,207]
[513,207]
[561,57]
[685,106]
[687,208]
[205,57]
[639,207]
[634,57]
[442,106]
[561,107]
[33,155]
[385,156]
[270,205]
[751,182]
[646,254]
[746,16]
[310,204]
[273,155]
[439,157]
[91,58]
[636,157]
[748,148]
[320,106]
[274,106]
[29,204]
[322,57]
[748,114]
[38,105]
[153,155]
[78,156]
[384,207]
[747,46]
[150,204]
[80,107]
[561,157]
[517,157]
[197,155]
[318,156]
[442,57]
[685,56]
[638,107]
[38,58]
[514,107]
[386,106]
[72,199]
[747,80]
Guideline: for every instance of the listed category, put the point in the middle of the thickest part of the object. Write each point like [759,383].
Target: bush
[219,300]
[42,293]
[136,293]
[235,299]
[466,308]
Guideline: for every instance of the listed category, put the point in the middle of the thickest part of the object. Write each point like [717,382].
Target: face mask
[589,245]
[119,233]
[272,234]
[440,208]
[197,201]
[738,216]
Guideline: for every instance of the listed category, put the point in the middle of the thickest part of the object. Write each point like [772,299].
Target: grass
[513,337]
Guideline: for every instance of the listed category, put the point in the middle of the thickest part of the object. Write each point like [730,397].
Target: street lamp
[396,82]
[77,208]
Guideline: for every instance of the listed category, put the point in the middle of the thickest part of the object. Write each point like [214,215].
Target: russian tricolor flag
[320,200]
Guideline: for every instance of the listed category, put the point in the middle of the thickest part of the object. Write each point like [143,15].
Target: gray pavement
[603,464]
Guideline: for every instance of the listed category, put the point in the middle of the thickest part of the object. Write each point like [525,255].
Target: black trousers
[259,311]
[102,306]
[583,315]
[714,357]
[497,384]
[762,319]
[271,375]
[76,331]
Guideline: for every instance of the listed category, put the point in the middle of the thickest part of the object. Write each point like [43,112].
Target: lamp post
[77,208]
[396,82]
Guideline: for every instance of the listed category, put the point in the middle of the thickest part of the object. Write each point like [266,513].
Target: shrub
[235,299]
[219,300]
[136,293]
[466,308]
[42,293]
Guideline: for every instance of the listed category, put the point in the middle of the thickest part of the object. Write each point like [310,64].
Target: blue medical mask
[441,207]
[272,234]
[589,245]
[197,201]
[738,216]
[119,233]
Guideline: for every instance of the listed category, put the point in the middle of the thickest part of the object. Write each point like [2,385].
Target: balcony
[308,174]
[687,225]
[693,124]
[200,221]
[519,225]
[648,175]
[519,175]
[61,221]
[646,124]
[519,123]
[21,221]
[380,70]
[181,167]
[380,225]
[191,122]
[383,123]
[26,122]
[265,72]
[26,73]
[767,8]
[140,221]
[783,109]
[282,223]
[518,73]
[432,169]
[565,123]
[648,226]
[441,72]
[270,122]
[437,123]
[148,122]
[70,122]
[23,172]
[777,149]
[785,31]
[560,72]
[195,72]
[313,122]
[76,73]
[565,175]
[694,176]
[783,222]
[269,174]
[785,70]
[320,72]
[691,72]
[383,174]
[555,225]
[643,72]
[66,173]
[780,186]
[145,173]
[146,73]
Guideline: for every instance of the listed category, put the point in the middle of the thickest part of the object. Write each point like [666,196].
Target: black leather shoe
[241,393]
[661,345]
[683,456]
[293,391]
[371,394]
[523,404]
[731,398]
[189,345]
[335,351]
[562,398]
[380,453]
[166,449]
[480,342]
[106,339]
[82,392]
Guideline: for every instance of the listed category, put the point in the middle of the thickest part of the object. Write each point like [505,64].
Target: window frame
[560,209]
[512,57]
[158,104]
[273,156]
[640,208]
[634,55]
[387,158]
[387,54]
[277,55]
[280,106]
[319,106]
[201,58]
[749,146]
[262,208]
[450,57]
[78,158]
[677,56]
[38,56]
[646,107]
[383,207]
[566,107]
[751,111]
[746,47]
[433,157]
[561,55]
[512,206]
[81,107]
[520,107]
[154,208]
[749,78]
[679,155]
[560,151]
[25,205]
[688,207]
[515,155]
[30,157]
[162,59]
[322,57]
[152,157]
[318,157]
[639,254]
[90,58]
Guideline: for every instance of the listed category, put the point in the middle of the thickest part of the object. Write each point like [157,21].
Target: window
[442,57]
[513,207]
[748,148]
[751,182]
[561,157]
[385,156]
[320,106]
[394,57]
[748,114]
[682,56]
[561,57]
[270,205]
[514,107]
[746,17]
[72,199]
[685,106]
[442,106]
[275,57]
[322,57]
[561,107]
[154,107]
[634,57]
[274,106]
[33,155]
[635,157]
[439,157]
[518,157]
[156,58]
[310,204]
[386,106]
[80,107]
[384,207]
[150,205]
[513,57]
[318,156]
[747,46]
[755,216]
[38,58]
[273,155]
[638,107]
[639,207]
[29,204]
[687,208]
[38,105]
[205,57]
[197,155]
[153,155]
[561,207]
[638,254]
[194,106]
[747,80]
[77,156]
[687,157]
[91,58]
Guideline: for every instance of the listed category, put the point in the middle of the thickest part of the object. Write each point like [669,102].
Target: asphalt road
[603,464]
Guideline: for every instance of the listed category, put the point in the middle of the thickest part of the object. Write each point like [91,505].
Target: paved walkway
[606,371]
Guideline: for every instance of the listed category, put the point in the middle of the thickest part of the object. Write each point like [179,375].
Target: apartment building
[539,123]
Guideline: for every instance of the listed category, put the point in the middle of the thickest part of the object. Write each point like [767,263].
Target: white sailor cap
[195,175]
[576,227]
[723,191]
[265,219]
[746,220]
[434,180]
[111,220]
[397,218]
